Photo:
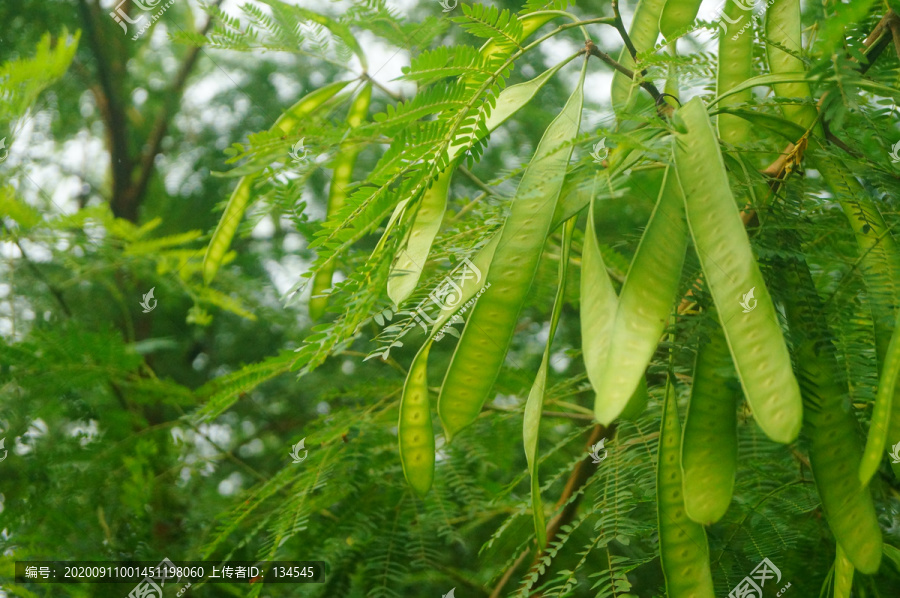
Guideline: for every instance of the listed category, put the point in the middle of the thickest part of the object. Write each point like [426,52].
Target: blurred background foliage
[137,435]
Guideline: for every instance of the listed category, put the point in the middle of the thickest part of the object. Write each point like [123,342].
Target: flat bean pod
[237,203]
[417,451]
[754,337]
[337,195]
[407,270]
[784,30]
[677,16]
[485,340]
[735,67]
[709,446]
[414,430]
[645,301]
[834,448]
[410,262]
[598,314]
[534,406]
[683,547]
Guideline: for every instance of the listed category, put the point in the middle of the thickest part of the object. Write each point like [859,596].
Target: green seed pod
[834,448]
[646,300]
[337,195]
[683,548]
[735,67]
[414,429]
[677,17]
[485,340]
[237,203]
[709,446]
[754,336]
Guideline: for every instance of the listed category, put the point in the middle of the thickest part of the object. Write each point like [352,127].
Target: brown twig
[620,27]
[661,106]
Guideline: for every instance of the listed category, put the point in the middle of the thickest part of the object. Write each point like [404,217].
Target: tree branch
[113,112]
[173,97]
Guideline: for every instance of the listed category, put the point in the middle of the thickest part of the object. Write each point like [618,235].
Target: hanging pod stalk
[683,547]
[745,308]
[645,302]
[237,203]
[485,340]
[709,446]
[337,194]
[531,425]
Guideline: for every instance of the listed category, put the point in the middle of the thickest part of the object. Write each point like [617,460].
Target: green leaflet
[531,426]
[414,432]
[643,32]
[646,299]
[735,67]
[754,337]
[530,23]
[683,547]
[843,574]
[237,203]
[677,16]
[417,451]
[337,195]
[407,268]
[709,446]
[486,337]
